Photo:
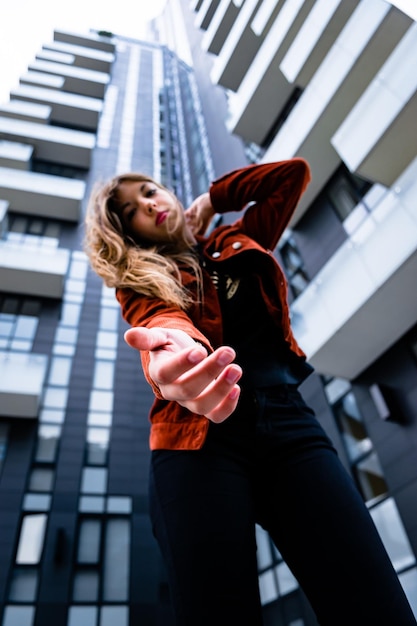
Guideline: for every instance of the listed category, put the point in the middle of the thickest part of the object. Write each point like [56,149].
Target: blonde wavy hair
[149,269]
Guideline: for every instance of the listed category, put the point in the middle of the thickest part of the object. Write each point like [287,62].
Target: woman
[208,313]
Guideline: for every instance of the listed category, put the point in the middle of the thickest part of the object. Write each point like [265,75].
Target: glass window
[41,479]
[32,535]
[82,616]
[99,418]
[86,585]
[408,580]
[370,478]
[92,504]
[23,585]
[94,480]
[111,615]
[54,416]
[286,580]
[18,616]
[263,548]
[119,504]
[116,561]
[78,269]
[37,502]
[47,445]
[70,314]
[268,587]
[352,427]
[109,319]
[106,339]
[101,401]
[97,446]
[60,370]
[391,529]
[103,375]
[89,541]
[66,335]
[55,398]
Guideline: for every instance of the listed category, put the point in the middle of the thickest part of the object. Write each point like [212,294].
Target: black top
[260,347]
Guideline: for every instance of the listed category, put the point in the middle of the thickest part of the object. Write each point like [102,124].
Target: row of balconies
[52,116]
[350,66]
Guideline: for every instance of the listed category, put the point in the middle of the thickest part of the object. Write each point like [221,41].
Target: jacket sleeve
[273,191]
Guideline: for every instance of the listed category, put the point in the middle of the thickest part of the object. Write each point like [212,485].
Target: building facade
[334,82]
[329,81]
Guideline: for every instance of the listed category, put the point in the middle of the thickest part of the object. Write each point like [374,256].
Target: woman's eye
[151,192]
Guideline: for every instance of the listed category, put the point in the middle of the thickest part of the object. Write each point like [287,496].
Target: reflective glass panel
[116,561]
[89,541]
[23,585]
[86,584]
[31,539]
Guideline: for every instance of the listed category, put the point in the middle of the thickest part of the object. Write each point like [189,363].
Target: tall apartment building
[76,547]
[330,81]
[335,82]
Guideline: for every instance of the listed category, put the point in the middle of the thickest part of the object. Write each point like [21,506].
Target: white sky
[25,25]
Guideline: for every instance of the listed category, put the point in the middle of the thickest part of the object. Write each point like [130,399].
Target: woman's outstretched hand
[184,372]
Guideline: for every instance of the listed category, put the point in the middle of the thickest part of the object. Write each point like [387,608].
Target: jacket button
[215,255]
[236,245]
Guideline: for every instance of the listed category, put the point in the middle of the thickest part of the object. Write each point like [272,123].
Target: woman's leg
[203,520]
[315,515]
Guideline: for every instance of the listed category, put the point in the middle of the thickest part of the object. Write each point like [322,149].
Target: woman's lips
[161,217]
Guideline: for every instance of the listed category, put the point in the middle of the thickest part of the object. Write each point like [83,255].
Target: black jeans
[269,463]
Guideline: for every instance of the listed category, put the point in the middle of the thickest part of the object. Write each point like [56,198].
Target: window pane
[286,580]
[36,502]
[60,371]
[109,319]
[52,415]
[99,418]
[24,585]
[89,541]
[70,314]
[31,540]
[82,616]
[92,504]
[370,478]
[103,375]
[263,548]
[119,504]
[94,480]
[112,615]
[86,586]
[48,437]
[101,401]
[41,480]
[18,616]
[391,529]
[26,327]
[409,582]
[97,445]
[55,398]
[106,339]
[267,587]
[116,561]
[352,428]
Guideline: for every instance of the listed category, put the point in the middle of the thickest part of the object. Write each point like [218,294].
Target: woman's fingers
[205,385]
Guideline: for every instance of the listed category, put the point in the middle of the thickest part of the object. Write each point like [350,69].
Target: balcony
[15,155]
[38,272]
[88,58]
[90,40]
[51,143]
[76,79]
[21,383]
[42,195]
[363,300]
[65,108]
[382,123]
[220,27]
[366,42]
[26,111]
[238,50]
[205,13]
[43,80]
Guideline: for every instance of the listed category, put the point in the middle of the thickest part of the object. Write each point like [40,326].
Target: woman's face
[149,212]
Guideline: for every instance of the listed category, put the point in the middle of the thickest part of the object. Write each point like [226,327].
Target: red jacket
[273,189]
